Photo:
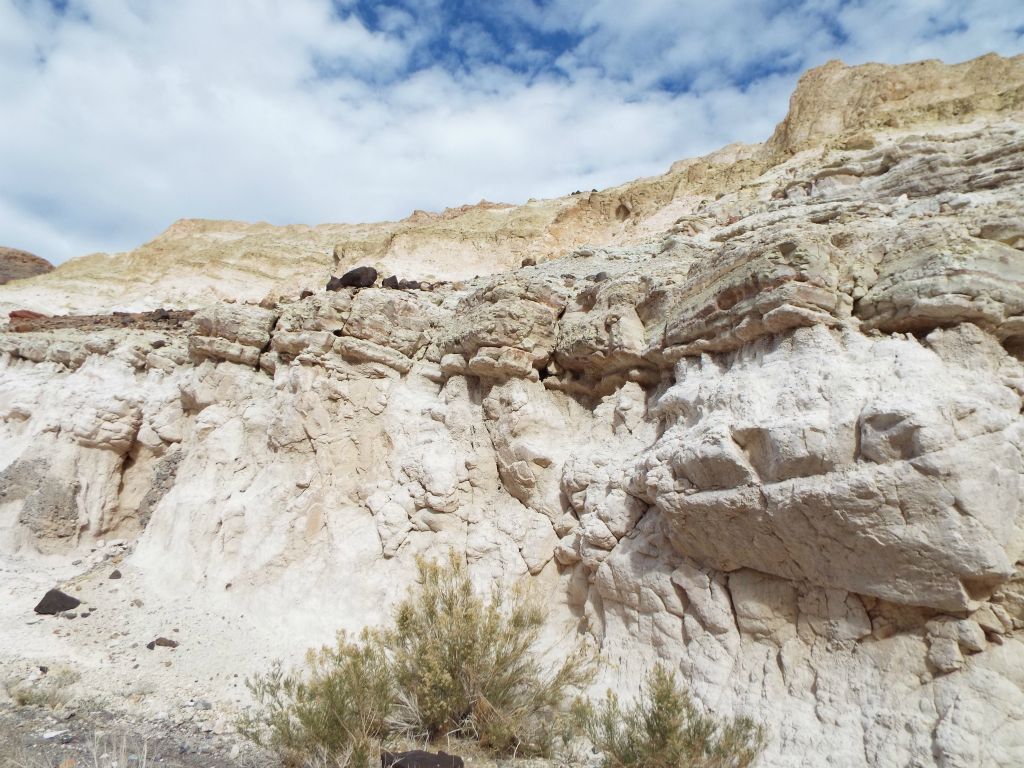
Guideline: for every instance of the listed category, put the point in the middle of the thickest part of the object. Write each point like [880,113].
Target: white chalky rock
[758,419]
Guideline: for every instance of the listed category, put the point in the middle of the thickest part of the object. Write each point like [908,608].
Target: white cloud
[123,115]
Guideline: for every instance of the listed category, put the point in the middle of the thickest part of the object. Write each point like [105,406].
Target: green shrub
[337,709]
[665,730]
[450,664]
[471,668]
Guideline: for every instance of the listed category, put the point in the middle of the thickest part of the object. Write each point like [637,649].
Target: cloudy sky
[120,116]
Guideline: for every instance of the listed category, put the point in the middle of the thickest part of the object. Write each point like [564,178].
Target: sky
[122,116]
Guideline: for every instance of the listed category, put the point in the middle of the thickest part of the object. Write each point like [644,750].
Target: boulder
[418,758]
[247,325]
[55,602]
[360,277]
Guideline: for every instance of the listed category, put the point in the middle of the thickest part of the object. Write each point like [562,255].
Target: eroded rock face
[867,465]
[778,445]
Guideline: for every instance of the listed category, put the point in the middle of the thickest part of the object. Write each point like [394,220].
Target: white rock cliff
[759,418]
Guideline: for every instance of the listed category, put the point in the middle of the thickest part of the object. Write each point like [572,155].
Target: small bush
[450,664]
[337,709]
[664,730]
[471,668]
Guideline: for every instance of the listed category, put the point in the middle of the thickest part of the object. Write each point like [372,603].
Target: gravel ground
[81,737]
[80,685]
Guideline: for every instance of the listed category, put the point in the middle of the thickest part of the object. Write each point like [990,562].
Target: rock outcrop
[768,432]
[18,265]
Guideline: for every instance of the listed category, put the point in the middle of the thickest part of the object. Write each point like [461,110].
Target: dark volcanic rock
[418,758]
[360,277]
[55,602]
[163,642]
[389,282]
[17,265]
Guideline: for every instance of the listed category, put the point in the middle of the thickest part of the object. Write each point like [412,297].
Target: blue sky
[124,115]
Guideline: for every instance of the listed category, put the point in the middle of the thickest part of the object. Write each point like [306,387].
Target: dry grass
[18,756]
[105,751]
[118,751]
[50,691]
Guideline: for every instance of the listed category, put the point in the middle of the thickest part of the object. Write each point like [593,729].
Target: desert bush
[451,664]
[663,729]
[336,709]
[471,667]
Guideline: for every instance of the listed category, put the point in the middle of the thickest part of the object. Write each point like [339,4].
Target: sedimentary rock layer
[772,437]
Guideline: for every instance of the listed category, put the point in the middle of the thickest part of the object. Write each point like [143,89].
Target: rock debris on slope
[765,425]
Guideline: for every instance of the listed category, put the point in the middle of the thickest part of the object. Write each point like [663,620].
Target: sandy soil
[94,671]
[101,682]
[81,737]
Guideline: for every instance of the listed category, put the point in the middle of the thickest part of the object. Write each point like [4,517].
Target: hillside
[195,261]
[18,265]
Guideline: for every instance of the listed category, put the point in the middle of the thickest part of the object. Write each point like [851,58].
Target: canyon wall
[759,418]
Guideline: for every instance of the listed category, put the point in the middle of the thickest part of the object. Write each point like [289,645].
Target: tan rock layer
[833,106]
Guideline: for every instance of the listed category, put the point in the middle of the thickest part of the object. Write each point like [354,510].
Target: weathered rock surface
[769,431]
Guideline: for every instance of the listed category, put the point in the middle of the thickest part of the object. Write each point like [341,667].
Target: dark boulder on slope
[418,758]
[360,277]
[55,602]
